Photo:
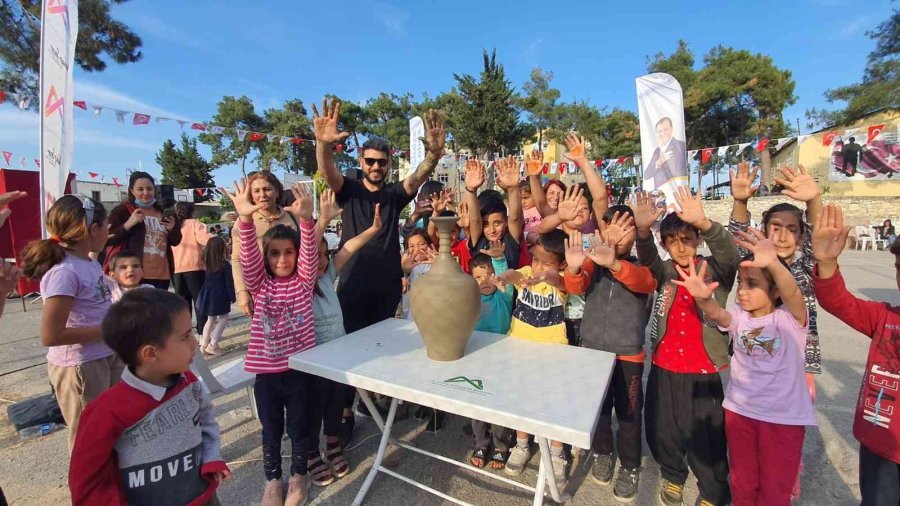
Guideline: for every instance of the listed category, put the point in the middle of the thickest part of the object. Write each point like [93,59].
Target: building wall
[857,210]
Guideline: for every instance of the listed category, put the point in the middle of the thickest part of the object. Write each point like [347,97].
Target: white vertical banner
[59,31]
[416,148]
[661,112]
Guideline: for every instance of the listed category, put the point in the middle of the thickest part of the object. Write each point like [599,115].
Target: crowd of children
[554,264]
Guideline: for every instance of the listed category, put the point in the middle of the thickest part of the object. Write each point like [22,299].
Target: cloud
[22,127]
[95,93]
[392,17]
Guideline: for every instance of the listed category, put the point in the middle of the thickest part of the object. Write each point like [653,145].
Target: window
[95,195]
[462,177]
[443,178]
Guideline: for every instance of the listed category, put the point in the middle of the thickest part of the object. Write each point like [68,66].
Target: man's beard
[373,181]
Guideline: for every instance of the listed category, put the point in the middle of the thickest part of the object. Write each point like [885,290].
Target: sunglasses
[371,162]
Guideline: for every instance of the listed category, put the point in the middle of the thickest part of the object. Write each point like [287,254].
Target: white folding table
[551,391]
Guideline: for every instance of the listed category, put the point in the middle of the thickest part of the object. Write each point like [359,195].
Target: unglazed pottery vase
[445,302]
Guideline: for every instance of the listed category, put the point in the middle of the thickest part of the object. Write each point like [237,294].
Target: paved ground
[34,471]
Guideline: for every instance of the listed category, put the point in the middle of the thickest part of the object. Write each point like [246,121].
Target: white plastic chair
[225,378]
[863,239]
[876,238]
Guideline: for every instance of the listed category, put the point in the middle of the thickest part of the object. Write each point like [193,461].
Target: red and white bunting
[7,156]
[140,119]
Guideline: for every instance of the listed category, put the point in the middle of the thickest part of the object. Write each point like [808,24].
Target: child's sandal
[319,471]
[498,459]
[480,454]
[335,457]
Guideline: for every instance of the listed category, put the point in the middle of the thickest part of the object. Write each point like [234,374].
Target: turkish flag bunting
[80,104]
[762,144]
[2,99]
[874,131]
[705,155]
[7,156]
[828,138]
[339,148]
[562,167]
[140,119]
[199,126]
[199,191]
[37,162]
[255,136]
[546,168]
[621,160]
[116,182]
[93,175]
[297,140]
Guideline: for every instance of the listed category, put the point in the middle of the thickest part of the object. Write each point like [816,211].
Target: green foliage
[486,119]
[185,167]
[100,38]
[880,86]
[211,219]
[540,102]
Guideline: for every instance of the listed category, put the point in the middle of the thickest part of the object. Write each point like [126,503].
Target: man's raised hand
[325,125]
[435,135]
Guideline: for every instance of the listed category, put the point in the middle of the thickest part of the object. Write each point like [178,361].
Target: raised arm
[800,185]
[308,256]
[692,281]
[508,179]
[328,210]
[474,181]
[765,257]
[352,246]
[533,165]
[645,215]
[327,134]
[566,211]
[252,266]
[595,183]
[742,190]
[434,139]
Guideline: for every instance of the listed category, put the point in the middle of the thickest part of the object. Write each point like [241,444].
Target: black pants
[685,420]
[626,395]
[161,284]
[486,434]
[188,285]
[573,332]
[879,479]
[281,400]
[326,401]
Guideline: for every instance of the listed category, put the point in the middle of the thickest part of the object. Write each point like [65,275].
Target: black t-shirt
[379,259]
[512,250]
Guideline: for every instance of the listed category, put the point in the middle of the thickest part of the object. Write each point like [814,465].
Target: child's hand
[497,282]
[694,282]
[376,220]
[575,255]
[463,213]
[9,277]
[568,206]
[742,181]
[302,207]
[619,230]
[222,476]
[763,249]
[576,148]
[534,163]
[407,261]
[474,175]
[441,201]
[602,251]
[496,249]
[328,208]
[508,172]
[691,208]
[241,200]
[645,211]
[829,235]
[799,184]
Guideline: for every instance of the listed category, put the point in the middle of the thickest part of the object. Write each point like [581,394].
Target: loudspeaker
[166,195]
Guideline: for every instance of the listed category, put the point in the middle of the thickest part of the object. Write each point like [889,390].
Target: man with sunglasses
[370,286]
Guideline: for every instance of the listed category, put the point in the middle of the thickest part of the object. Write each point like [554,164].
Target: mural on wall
[877,159]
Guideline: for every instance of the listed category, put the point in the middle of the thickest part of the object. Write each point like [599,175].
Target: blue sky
[196,52]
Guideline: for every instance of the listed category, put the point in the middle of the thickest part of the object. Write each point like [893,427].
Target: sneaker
[559,470]
[602,470]
[703,502]
[670,494]
[626,486]
[362,409]
[435,421]
[518,459]
[273,494]
[298,490]
[212,349]
[348,423]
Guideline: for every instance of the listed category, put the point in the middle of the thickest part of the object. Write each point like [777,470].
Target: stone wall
[857,210]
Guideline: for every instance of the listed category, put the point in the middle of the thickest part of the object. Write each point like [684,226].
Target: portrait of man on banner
[669,158]
[663,149]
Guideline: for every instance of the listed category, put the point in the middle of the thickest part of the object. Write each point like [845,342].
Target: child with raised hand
[767,403]
[595,183]
[282,280]
[327,398]
[879,438]
[157,417]
[126,272]
[496,224]
[76,297]
[492,444]
[216,296]
[683,405]
[617,293]
[539,316]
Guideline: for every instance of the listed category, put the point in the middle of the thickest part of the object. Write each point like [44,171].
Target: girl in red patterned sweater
[281,281]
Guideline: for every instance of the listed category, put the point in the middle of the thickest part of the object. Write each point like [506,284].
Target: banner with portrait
[878,159]
[663,149]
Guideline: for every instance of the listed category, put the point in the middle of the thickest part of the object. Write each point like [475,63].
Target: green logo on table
[477,384]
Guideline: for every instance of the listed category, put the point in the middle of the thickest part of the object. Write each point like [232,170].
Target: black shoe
[626,486]
[363,410]
[347,425]
[670,493]
[603,467]
[422,412]
[435,420]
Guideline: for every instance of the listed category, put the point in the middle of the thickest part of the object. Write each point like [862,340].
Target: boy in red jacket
[875,424]
[152,438]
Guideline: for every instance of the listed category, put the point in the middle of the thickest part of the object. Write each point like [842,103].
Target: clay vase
[445,302]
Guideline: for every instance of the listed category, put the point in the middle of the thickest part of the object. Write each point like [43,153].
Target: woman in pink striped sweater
[281,281]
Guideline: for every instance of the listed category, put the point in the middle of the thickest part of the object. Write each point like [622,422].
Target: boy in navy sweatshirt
[153,437]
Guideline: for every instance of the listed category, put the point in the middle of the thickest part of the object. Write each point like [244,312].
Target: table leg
[541,484]
[367,400]
[379,456]
[547,467]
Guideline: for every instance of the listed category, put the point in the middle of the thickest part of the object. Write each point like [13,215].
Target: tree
[185,167]
[486,120]
[880,86]
[100,38]
[540,102]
